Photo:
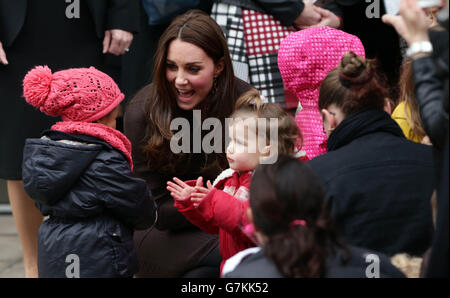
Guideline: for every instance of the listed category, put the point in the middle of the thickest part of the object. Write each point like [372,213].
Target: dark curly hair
[285,191]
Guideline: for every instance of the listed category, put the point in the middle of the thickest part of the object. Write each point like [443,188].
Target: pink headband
[298,222]
[249,229]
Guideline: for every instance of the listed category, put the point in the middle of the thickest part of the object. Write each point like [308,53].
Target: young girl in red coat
[221,207]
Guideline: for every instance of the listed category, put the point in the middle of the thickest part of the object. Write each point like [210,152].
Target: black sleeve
[124,15]
[284,11]
[430,96]
[135,125]
[12,17]
[438,261]
[126,197]
[169,218]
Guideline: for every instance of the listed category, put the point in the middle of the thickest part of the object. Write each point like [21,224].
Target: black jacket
[107,14]
[92,201]
[286,11]
[432,96]
[378,184]
[259,266]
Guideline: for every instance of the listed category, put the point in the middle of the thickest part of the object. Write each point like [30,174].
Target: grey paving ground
[11,265]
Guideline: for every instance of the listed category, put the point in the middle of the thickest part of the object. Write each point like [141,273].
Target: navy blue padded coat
[93,203]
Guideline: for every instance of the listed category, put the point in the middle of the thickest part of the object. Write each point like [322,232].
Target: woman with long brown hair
[193,75]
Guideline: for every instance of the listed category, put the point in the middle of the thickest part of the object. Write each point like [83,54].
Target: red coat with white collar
[223,211]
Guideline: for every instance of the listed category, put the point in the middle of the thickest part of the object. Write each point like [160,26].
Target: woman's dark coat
[379,184]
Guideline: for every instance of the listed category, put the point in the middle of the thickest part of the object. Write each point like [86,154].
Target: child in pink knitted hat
[79,175]
[304,59]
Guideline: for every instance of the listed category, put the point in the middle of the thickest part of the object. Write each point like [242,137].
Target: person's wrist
[419,38]
[419,48]
[420,55]
[341,22]
[298,23]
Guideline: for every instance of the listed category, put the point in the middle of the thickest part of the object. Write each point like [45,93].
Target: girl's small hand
[197,198]
[200,193]
[180,190]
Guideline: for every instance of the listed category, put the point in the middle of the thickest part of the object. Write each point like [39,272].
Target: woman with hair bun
[297,232]
[378,183]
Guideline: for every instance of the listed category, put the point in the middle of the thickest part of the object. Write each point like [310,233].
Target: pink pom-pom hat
[80,96]
[76,94]
[305,58]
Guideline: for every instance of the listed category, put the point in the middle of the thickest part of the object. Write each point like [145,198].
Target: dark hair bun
[354,70]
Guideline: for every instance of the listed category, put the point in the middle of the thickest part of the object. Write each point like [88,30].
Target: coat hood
[51,168]
[305,58]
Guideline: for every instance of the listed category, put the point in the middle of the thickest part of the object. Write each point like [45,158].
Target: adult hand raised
[309,17]
[328,18]
[117,42]
[3,59]
[412,23]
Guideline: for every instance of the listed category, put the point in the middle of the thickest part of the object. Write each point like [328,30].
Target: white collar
[232,262]
[224,175]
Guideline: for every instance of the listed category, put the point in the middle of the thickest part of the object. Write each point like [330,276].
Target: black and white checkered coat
[259,70]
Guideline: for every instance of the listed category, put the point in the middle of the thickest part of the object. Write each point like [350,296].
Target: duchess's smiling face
[191,72]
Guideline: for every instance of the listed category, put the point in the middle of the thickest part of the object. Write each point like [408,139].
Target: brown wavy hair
[198,28]
[285,191]
[354,85]
[289,136]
